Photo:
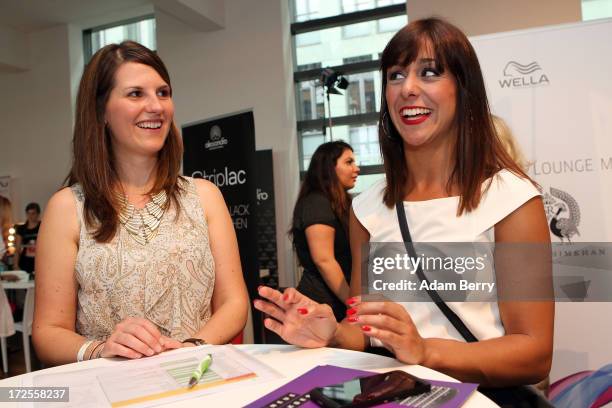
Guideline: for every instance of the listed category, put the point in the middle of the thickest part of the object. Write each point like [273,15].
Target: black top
[28,245]
[313,209]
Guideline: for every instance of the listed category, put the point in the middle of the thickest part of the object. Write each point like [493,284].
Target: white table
[290,361]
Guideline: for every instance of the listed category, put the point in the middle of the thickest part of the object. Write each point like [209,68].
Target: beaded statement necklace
[142,223]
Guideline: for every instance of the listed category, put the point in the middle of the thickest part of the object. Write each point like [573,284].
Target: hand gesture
[296,318]
[390,323]
[135,337]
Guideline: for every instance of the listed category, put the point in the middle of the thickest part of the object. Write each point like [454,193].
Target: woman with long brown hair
[451,179]
[320,225]
[6,217]
[133,259]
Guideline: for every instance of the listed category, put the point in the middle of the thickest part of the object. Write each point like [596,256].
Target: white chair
[7,326]
[25,327]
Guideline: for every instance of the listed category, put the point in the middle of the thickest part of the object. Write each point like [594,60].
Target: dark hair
[478,153]
[93,161]
[321,177]
[33,206]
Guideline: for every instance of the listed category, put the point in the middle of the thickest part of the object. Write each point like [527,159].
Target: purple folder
[446,394]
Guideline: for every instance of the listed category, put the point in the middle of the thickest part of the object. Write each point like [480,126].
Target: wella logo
[522,76]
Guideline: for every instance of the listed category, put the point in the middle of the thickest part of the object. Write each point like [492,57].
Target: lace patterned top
[169,280]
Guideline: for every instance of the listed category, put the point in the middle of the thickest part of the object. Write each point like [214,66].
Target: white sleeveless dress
[437,221]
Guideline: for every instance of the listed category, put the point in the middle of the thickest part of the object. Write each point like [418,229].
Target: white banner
[553,87]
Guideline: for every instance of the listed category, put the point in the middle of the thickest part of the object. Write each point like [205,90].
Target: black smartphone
[370,390]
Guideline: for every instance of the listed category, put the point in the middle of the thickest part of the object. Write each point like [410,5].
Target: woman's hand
[135,337]
[296,318]
[390,323]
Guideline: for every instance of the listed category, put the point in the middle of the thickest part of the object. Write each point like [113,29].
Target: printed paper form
[160,379]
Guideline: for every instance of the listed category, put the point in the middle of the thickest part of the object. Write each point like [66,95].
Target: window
[351,35]
[311,100]
[595,9]
[361,97]
[141,30]
[359,29]
[364,139]
[307,10]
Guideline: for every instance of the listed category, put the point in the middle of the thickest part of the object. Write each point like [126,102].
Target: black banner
[266,219]
[223,151]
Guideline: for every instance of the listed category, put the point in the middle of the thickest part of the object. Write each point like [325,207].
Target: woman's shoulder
[61,211]
[199,185]
[314,199]
[65,199]
[369,208]
[506,184]
[207,193]
[505,192]
[370,199]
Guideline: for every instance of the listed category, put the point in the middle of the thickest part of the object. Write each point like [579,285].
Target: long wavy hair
[321,177]
[6,218]
[478,153]
[93,161]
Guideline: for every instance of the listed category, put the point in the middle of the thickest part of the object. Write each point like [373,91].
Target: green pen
[200,370]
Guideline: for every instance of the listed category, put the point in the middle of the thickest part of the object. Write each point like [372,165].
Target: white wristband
[81,352]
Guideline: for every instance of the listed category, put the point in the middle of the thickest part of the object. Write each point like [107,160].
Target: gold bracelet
[92,349]
[98,353]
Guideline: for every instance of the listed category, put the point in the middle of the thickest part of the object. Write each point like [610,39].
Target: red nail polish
[353,319]
[302,310]
[351,312]
[285,297]
[366,328]
[351,301]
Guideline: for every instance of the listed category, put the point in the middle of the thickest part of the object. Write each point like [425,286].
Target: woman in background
[7,327]
[132,258]
[25,239]
[509,142]
[6,217]
[320,225]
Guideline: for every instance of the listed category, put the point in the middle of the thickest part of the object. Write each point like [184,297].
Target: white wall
[476,17]
[245,65]
[36,119]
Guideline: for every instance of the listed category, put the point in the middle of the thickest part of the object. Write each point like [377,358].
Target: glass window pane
[311,103]
[362,138]
[141,31]
[357,30]
[304,10]
[337,44]
[594,9]
[311,139]
[311,38]
[361,96]
[392,24]
[349,6]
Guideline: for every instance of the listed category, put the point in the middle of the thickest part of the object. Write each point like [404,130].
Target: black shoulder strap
[450,315]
